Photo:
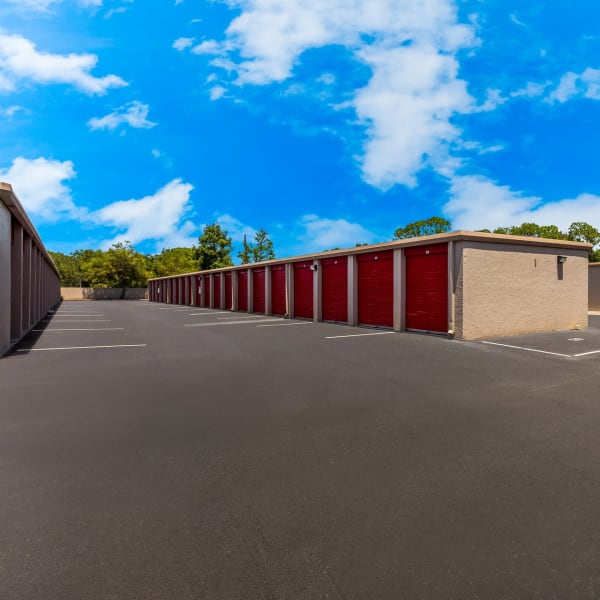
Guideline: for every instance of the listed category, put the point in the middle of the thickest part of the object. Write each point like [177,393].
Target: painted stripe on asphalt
[80,348]
[230,323]
[335,337]
[82,329]
[59,316]
[285,324]
[236,317]
[204,314]
[79,321]
[587,353]
[529,349]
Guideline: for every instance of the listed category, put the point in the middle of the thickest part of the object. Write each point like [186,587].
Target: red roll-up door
[243,290]
[303,290]
[258,290]
[217,293]
[206,292]
[278,296]
[178,290]
[171,291]
[334,286]
[228,291]
[198,290]
[427,288]
[376,289]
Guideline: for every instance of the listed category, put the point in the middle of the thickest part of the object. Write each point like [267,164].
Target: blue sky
[325,122]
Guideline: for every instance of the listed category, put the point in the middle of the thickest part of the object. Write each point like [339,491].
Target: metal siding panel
[427,288]
[334,286]
[217,295]
[243,291]
[376,289]
[258,290]
[278,304]
[228,291]
[303,290]
[198,290]
[206,292]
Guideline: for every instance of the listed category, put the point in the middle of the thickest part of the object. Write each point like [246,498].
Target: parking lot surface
[160,452]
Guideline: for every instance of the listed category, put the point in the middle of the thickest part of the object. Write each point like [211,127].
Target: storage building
[464,284]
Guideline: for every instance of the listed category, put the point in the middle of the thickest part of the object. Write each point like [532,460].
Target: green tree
[429,226]
[214,248]
[533,230]
[263,247]
[584,232]
[91,266]
[126,267]
[245,255]
[173,261]
[120,266]
[69,268]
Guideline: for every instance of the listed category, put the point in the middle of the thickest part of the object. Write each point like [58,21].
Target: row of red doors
[426,283]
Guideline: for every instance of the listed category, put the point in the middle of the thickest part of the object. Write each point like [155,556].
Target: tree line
[578,231]
[123,266]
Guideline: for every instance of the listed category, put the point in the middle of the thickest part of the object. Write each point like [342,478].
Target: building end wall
[594,286]
[510,290]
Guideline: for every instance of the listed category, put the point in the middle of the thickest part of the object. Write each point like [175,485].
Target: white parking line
[587,353]
[80,348]
[80,329]
[78,321]
[285,324]
[204,314]
[335,337]
[59,316]
[237,317]
[530,349]
[230,322]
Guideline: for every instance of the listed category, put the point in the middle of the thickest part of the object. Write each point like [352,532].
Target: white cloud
[182,43]
[116,11]
[11,111]
[235,228]
[39,5]
[134,114]
[516,21]
[572,85]
[407,107]
[39,185]
[217,92]
[159,217]
[19,60]
[44,5]
[410,47]
[477,202]
[208,47]
[318,234]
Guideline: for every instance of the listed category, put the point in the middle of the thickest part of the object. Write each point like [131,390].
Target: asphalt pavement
[155,453]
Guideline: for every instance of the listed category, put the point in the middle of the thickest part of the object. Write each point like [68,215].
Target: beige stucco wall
[594,286]
[508,290]
[5,278]
[76,293]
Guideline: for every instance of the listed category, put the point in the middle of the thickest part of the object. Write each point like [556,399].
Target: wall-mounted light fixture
[561,259]
[314,267]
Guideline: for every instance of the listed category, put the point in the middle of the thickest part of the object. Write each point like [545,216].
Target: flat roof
[439,238]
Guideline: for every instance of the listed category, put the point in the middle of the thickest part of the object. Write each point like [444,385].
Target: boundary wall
[29,280]
[467,285]
[594,287]
[77,293]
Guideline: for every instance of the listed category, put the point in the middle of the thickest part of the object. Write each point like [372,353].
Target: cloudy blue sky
[325,122]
